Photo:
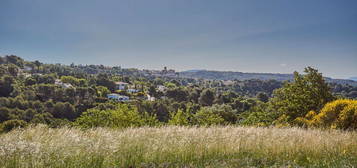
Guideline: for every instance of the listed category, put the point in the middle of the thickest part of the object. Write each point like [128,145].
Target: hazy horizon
[232,35]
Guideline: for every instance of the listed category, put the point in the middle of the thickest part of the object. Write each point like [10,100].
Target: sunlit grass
[178,147]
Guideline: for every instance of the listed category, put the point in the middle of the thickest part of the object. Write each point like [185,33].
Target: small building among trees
[121,85]
[118,97]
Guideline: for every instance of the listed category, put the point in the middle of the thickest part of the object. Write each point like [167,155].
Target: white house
[161,88]
[121,85]
[118,97]
[26,75]
[149,98]
[38,74]
[63,85]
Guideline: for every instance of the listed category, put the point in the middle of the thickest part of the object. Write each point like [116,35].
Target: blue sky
[238,35]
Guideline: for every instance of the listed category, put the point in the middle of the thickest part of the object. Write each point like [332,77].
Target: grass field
[178,147]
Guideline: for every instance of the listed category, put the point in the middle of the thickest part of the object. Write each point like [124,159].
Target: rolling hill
[231,75]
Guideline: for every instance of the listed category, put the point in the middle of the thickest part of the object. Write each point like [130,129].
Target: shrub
[207,117]
[341,114]
[261,114]
[4,114]
[258,118]
[224,111]
[102,91]
[11,124]
[120,117]
[74,81]
[180,118]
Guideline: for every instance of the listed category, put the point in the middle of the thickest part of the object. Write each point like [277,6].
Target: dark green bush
[11,124]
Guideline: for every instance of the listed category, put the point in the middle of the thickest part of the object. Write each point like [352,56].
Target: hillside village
[178,84]
[124,91]
[32,92]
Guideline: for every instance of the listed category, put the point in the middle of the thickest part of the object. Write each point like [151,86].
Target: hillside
[230,75]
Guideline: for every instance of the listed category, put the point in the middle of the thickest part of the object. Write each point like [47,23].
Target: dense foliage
[77,95]
[340,114]
[305,93]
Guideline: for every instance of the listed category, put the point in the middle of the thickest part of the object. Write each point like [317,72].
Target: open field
[178,147]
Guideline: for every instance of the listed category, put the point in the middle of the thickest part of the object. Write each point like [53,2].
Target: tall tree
[12,69]
[207,97]
[307,92]
[6,86]
[262,97]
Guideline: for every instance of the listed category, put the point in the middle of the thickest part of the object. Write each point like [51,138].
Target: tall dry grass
[178,147]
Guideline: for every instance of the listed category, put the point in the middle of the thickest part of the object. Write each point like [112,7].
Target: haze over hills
[353,78]
[231,75]
[178,83]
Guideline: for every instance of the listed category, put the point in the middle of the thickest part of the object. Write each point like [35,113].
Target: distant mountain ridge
[231,75]
[353,78]
[195,70]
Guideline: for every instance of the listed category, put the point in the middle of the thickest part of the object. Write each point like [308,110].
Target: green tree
[178,94]
[207,117]
[13,59]
[307,92]
[64,110]
[45,91]
[103,80]
[258,115]
[4,114]
[30,81]
[102,91]
[44,118]
[224,111]
[194,95]
[3,69]
[13,69]
[38,65]
[152,91]
[180,118]
[70,79]
[11,124]
[29,114]
[6,85]
[121,116]
[207,97]
[46,79]
[262,97]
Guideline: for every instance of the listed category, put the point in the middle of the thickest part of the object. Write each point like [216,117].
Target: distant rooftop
[121,83]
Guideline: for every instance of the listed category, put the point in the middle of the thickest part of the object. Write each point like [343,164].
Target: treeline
[230,75]
[76,95]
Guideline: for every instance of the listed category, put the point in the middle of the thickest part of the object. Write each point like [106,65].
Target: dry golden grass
[229,146]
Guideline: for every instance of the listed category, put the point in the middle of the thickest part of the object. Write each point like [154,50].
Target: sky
[275,36]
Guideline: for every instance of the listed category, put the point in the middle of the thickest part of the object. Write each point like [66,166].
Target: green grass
[178,147]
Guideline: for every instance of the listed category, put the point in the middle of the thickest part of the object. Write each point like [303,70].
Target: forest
[54,115]
[59,95]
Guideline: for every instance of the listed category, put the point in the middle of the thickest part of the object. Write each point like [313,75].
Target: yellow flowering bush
[340,114]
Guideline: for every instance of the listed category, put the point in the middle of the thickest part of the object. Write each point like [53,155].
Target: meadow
[174,146]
